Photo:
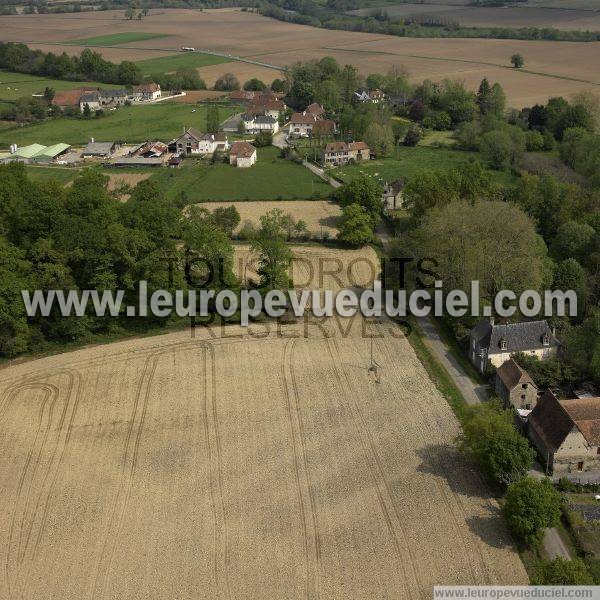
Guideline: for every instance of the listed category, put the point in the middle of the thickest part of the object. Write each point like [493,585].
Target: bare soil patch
[551,68]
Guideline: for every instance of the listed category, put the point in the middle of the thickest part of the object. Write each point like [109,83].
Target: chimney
[92,140]
[492,320]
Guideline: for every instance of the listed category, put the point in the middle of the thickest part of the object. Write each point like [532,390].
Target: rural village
[299,146]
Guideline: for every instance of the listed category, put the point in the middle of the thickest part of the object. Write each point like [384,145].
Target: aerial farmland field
[551,68]
[164,468]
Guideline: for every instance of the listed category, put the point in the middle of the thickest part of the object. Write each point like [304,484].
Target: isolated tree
[226,218]
[517,61]
[561,571]
[227,83]
[263,139]
[49,94]
[87,113]
[491,440]
[274,254]
[278,85]
[212,118]
[413,135]
[255,85]
[530,506]
[355,225]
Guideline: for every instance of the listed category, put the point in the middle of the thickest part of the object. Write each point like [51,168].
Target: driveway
[472,392]
[554,546]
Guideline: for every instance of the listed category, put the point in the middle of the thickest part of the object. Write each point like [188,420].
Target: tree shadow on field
[490,529]
[464,479]
[445,461]
[330,221]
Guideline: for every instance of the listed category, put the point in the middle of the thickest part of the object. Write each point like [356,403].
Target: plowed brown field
[551,68]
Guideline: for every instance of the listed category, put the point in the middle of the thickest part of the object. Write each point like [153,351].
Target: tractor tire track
[312,551]
[385,495]
[209,350]
[454,505]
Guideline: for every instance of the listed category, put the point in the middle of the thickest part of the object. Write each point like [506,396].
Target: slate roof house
[494,343]
[192,141]
[262,122]
[242,154]
[113,97]
[566,433]
[515,387]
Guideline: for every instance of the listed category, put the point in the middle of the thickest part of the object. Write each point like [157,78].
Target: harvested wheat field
[551,68]
[238,466]
[320,216]
[317,267]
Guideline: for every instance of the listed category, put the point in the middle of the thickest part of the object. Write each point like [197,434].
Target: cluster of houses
[98,98]
[565,433]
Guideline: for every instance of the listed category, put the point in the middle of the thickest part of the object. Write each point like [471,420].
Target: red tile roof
[242,149]
[300,119]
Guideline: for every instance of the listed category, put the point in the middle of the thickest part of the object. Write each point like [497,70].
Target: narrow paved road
[472,392]
[554,545]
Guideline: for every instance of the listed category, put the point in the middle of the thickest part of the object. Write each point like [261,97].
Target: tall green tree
[531,506]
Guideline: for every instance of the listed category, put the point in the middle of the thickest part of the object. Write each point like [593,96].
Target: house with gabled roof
[316,110]
[242,154]
[393,195]
[515,387]
[492,344]
[255,123]
[301,125]
[192,141]
[341,153]
[566,433]
[147,92]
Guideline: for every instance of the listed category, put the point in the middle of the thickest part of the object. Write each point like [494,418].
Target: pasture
[184,60]
[271,178]
[551,68]
[238,464]
[114,39]
[18,85]
[162,121]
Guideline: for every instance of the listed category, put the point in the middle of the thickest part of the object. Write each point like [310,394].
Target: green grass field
[271,178]
[17,85]
[408,162]
[41,174]
[161,121]
[117,38]
[184,60]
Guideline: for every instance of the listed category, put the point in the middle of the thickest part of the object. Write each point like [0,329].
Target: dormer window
[545,340]
[503,344]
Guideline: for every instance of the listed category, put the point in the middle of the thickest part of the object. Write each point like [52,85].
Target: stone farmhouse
[566,433]
[393,195]
[192,141]
[242,154]
[515,387]
[492,344]
[270,107]
[146,92]
[301,125]
[341,153]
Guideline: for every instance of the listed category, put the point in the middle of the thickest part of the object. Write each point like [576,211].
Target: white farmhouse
[242,154]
